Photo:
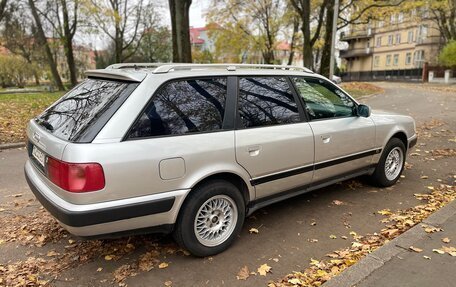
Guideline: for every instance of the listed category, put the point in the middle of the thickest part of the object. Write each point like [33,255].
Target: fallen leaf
[424,177]
[384,212]
[52,253]
[337,202]
[109,257]
[168,283]
[163,265]
[100,269]
[295,281]
[263,269]
[446,240]
[313,223]
[275,259]
[333,236]
[253,230]
[17,195]
[243,274]
[438,251]
[427,257]
[71,241]
[416,249]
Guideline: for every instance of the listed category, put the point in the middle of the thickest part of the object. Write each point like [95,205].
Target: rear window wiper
[45,124]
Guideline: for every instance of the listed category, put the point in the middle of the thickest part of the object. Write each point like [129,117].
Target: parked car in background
[193,149]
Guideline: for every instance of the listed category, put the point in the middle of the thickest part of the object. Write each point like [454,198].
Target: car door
[274,143]
[344,142]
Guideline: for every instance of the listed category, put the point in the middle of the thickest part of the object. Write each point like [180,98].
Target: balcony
[351,53]
[357,34]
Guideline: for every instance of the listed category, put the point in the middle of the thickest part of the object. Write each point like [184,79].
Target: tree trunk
[41,38]
[293,39]
[2,8]
[326,53]
[68,45]
[179,9]
[307,45]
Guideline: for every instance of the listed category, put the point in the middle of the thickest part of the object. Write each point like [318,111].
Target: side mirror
[363,111]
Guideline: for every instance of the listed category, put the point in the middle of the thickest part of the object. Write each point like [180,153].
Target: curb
[12,145]
[375,260]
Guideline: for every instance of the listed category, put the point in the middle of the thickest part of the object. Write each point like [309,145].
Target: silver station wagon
[194,149]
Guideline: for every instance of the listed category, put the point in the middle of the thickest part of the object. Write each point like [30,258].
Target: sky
[197,10]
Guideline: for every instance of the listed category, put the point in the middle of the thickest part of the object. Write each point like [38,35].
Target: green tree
[14,71]
[448,54]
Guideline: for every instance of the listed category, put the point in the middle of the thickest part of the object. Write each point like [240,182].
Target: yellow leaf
[99,269]
[416,249]
[163,265]
[263,269]
[438,251]
[333,236]
[384,212]
[427,257]
[424,177]
[243,274]
[109,257]
[295,281]
[446,240]
[253,230]
[168,283]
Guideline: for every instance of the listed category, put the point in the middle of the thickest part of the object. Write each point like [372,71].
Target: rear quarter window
[183,107]
[80,114]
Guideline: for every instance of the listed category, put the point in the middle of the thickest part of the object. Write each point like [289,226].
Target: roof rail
[160,68]
[165,68]
[135,65]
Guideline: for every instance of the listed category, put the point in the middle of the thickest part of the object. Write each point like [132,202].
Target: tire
[210,234]
[391,164]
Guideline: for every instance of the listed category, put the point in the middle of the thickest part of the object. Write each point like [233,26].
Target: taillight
[75,177]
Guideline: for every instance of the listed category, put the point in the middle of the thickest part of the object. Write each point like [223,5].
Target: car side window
[265,101]
[324,100]
[182,107]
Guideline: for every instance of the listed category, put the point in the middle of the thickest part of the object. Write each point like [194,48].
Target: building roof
[195,35]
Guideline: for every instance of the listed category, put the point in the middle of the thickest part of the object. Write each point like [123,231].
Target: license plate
[38,155]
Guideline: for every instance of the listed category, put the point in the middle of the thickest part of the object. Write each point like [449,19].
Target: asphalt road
[286,238]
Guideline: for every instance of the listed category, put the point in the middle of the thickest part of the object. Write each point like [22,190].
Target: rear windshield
[80,114]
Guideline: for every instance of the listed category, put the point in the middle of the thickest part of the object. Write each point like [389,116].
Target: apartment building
[395,48]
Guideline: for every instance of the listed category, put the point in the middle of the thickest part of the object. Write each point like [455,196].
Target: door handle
[326,139]
[254,150]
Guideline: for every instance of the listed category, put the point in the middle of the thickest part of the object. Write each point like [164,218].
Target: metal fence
[385,75]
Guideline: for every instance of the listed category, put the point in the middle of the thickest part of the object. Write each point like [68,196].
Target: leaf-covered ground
[360,89]
[17,109]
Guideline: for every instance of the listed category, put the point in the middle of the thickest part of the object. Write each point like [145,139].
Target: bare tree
[303,8]
[62,16]
[42,41]
[124,22]
[182,51]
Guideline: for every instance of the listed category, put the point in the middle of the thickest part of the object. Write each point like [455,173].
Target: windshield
[81,113]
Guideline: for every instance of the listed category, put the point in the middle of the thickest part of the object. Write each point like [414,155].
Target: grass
[17,109]
[361,89]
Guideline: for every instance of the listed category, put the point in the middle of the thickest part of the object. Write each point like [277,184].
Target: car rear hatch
[77,117]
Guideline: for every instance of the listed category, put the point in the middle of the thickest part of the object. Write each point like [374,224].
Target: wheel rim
[215,220]
[393,164]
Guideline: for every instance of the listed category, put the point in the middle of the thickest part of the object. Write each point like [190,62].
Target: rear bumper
[116,216]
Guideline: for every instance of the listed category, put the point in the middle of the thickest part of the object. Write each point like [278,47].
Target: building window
[393,18]
[390,40]
[408,58]
[380,24]
[418,58]
[396,60]
[410,36]
[400,18]
[379,42]
[398,38]
[388,60]
[421,34]
[376,61]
